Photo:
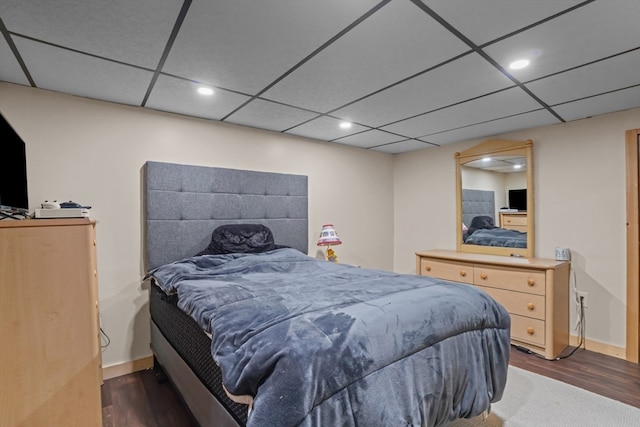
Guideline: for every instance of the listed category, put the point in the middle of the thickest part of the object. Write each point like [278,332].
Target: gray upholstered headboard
[183,205]
[477,202]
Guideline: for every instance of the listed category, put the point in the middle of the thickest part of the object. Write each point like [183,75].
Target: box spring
[193,346]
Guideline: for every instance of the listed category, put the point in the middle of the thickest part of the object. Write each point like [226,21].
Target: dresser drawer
[534,291]
[527,329]
[511,220]
[530,281]
[530,305]
[455,271]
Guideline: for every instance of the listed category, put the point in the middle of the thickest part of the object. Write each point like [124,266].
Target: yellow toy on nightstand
[331,255]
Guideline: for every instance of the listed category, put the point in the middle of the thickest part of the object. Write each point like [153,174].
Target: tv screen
[518,199]
[13,164]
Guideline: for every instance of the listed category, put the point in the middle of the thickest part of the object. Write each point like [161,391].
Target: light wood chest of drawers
[50,359]
[534,291]
[514,221]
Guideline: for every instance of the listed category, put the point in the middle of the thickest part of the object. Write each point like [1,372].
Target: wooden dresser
[534,291]
[514,221]
[50,358]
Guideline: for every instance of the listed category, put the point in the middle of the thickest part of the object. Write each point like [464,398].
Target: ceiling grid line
[14,50]
[313,54]
[405,74]
[488,58]
[165,53]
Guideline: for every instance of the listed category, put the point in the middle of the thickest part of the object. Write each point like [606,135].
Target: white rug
[532,400]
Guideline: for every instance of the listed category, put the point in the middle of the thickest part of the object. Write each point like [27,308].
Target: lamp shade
[328,236]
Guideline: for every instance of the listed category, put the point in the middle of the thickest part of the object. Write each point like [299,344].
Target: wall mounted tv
[518,199]
[13,164]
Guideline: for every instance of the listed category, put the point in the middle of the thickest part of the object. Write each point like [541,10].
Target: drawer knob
[463,273]
[428,268]
[531,306]
[530,330]
[483,276]
[531,282]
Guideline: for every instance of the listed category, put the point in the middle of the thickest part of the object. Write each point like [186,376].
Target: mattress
[318,343]
[193,345]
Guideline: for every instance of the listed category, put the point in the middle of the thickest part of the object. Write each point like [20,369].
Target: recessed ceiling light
[521,63]
[517,166]
[205,90]
[345,125]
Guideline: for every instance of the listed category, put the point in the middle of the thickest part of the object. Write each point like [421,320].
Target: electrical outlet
[585,298]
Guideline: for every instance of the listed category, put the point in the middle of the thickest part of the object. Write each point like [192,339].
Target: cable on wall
[104,338]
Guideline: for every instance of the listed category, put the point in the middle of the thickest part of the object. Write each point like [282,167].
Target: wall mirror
[494,193]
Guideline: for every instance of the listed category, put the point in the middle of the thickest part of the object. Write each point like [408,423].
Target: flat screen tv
[13,164]
[518,199]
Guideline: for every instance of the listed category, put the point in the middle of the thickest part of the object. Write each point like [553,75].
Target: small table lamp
[328,237]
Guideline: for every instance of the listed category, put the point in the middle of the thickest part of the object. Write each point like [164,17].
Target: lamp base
[331,255]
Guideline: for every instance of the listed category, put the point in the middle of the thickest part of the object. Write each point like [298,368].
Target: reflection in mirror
[495,198]
[504,177]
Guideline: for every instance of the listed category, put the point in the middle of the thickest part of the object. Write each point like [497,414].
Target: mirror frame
[495,147]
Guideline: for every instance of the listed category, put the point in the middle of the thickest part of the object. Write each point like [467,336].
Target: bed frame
[183,204]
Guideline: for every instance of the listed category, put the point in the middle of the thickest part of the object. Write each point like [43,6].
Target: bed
[482,231]
[478,218]
[295,340]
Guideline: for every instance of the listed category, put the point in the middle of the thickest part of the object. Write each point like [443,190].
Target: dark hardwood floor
[141,400]
[138,399]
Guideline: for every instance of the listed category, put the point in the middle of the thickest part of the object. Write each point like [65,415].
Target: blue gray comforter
[323,344]
[501,237]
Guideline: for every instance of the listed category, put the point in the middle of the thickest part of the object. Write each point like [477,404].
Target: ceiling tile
[326,128]
[389,67]
[10,70]
[70,72]
[508,102]
[609,102]
[373,55]
[601,77]
[245,45]
[594,31]
[495,127]
[403,146]
[467,77]
[180,96]
[270,115]
[135,32]
[370,138]
[483,21]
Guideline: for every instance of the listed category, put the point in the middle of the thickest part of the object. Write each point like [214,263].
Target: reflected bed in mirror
[495,208]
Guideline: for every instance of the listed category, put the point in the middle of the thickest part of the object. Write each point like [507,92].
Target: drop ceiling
[407,74]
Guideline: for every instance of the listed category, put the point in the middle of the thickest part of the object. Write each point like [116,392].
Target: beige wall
[92,152]
[579,174]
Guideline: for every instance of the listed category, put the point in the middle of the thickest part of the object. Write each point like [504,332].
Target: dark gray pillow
[479,223]
[240,238]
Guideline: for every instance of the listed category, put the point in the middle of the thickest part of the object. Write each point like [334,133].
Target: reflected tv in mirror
[518,199]
[13,163]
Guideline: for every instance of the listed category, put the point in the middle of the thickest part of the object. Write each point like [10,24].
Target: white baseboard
[127,367]
[598,347]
